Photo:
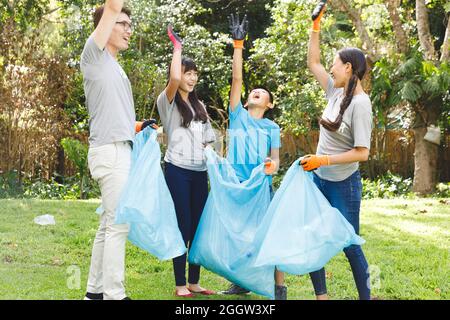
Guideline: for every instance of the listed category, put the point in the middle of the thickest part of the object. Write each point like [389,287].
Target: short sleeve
[237,111]
[164,106]
[275,140]
[209,135]
[91,53]
[362,124]
[92,60]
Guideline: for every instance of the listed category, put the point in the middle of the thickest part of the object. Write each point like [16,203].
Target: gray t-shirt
[354,132]
[108,97]
[186,145]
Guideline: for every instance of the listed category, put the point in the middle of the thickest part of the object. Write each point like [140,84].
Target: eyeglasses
[125,25]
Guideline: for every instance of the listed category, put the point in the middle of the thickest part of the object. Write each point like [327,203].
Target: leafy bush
[9,185]
[34,188]
[387,186]
[442,190]
[53,190]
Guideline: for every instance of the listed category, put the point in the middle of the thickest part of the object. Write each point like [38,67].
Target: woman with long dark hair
[345,129]
[186,123]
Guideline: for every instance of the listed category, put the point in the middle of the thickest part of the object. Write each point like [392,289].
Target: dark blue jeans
[346,197]
[189,191]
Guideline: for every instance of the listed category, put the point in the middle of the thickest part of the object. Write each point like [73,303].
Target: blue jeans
[189,191]
[346,197]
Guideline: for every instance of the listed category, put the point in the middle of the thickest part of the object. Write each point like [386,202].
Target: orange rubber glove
[238,44]
[138,126]
[317,15]
[312,162]
[270,166]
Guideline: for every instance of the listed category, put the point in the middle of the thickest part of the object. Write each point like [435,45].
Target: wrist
[324,160]
[238,44]
[316,26]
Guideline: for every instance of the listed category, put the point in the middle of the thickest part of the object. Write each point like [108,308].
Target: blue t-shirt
[250,141]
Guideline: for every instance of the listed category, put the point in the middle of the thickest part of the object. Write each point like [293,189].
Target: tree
[33,86]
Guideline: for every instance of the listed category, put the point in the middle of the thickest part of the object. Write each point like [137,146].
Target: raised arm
[314,65]
[104,28]
[175,66]
[238,32]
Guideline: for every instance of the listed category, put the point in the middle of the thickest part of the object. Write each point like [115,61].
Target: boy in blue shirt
[253,139]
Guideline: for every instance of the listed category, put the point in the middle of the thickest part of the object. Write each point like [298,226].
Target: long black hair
[183,108]
[357,59]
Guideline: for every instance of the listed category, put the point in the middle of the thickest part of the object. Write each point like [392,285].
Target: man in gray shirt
[111,122]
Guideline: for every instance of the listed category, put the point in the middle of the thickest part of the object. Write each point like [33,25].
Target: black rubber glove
[150,122]
[318,9]
[238,30]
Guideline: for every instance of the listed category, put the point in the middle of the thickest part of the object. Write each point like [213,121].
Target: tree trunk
[445,49]
[82,196]
[400,33]
[425,163]
[60,165]
[423,28]
[426,154]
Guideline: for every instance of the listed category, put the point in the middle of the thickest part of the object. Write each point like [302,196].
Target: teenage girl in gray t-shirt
[186,123]
[345,129]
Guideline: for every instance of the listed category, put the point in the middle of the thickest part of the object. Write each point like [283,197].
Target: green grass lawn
[407,248]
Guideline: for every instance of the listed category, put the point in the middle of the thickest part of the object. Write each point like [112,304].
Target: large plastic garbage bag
[230,219]
[146,204]
[301,231]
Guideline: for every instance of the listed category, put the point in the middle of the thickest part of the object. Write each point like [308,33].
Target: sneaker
[93,296]
[235,289]
[280,292]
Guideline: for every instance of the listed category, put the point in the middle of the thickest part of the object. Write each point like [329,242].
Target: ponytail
[357,59]
[334,125]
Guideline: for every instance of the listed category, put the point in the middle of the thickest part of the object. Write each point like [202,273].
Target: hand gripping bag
[230,219]
[146,204]
[301,231]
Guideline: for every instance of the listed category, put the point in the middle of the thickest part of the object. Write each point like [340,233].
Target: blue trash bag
[301,231]
[230,219]
[146,204]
